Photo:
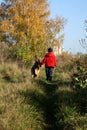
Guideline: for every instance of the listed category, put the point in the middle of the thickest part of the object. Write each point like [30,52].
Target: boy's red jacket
[49,60]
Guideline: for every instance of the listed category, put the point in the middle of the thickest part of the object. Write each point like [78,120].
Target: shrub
[79,78]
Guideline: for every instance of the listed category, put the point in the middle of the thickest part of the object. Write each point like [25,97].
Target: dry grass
[15,112]
[24,102]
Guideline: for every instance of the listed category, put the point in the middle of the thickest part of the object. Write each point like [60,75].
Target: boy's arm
[42,62]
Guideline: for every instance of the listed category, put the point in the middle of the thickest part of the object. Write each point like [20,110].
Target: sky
[75,11]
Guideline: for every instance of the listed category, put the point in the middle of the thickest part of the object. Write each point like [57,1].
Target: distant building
[57,50]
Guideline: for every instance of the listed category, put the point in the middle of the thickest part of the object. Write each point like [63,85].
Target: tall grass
[39,104]
[15,112]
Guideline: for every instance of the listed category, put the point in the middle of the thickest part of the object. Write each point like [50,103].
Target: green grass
[27,104]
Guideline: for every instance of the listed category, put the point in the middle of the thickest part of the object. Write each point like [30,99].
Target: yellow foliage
[25,22]
[4,25]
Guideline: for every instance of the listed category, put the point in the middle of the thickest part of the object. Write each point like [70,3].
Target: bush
[79,79]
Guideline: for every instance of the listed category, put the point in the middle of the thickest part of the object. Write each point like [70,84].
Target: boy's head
[50,49]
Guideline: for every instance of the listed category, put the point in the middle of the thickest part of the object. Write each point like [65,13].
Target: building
[57,50]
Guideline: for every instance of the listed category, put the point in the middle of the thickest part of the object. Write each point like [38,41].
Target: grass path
[40,105]
[48,103]
[58,102]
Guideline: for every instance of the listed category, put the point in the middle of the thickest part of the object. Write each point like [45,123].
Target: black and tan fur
[35,69]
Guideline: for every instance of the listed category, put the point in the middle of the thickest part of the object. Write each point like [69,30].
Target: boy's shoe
[49,78]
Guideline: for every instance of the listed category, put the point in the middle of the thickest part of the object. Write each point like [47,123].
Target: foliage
[80,77]
[26,29]
[22,25]
[53,29]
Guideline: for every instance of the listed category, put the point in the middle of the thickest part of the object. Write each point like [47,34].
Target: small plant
[70,119]
[67,116]
[80,77]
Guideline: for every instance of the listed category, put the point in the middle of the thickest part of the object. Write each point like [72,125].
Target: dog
[35,69]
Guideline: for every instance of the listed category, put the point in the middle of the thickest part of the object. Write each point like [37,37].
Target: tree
[83,41]
[22,23]
[54,28]
[26,28]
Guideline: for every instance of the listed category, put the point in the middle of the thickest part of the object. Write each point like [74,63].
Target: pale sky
[75,11]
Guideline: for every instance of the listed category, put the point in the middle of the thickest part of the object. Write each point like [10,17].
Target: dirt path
[50,105]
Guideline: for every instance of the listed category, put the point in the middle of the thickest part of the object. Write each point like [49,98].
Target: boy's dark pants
[49,73]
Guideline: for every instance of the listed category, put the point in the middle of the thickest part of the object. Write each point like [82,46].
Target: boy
[50,62]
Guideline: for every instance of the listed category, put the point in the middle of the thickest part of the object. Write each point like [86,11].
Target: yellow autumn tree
[26,28]
[22,25]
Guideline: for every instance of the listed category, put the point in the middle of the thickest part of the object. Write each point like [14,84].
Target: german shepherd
[35,69]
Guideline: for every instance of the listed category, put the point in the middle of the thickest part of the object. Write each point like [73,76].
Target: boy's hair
[50,49]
